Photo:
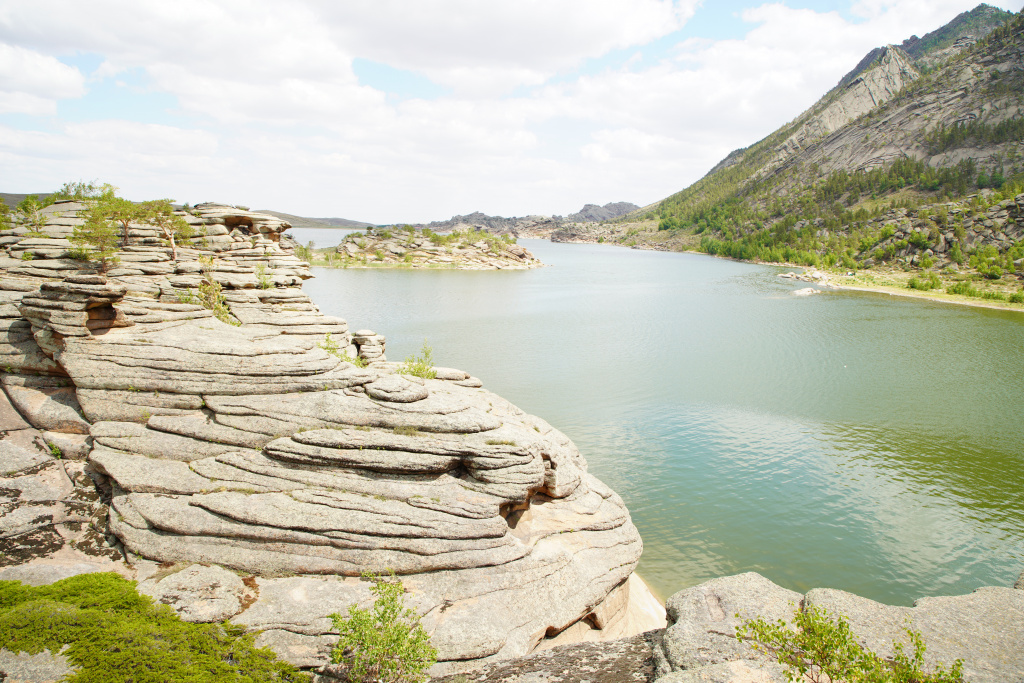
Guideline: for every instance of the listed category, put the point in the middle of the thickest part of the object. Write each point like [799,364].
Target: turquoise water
[850,440]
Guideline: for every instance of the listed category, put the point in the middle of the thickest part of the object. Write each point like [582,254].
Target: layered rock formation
[408,248]
[226,431]
[984,628]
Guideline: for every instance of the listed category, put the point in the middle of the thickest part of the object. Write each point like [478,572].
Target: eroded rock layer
[241,432]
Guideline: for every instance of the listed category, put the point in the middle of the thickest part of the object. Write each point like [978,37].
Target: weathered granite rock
[703,620]
[42,667]
[627,660]
[265,474]
[199,593]
[984,628]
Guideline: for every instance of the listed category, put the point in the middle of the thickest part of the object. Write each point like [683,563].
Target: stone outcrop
[221,445]
[984,628]
[467,249]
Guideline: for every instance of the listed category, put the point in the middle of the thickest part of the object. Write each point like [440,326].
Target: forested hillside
[906,146]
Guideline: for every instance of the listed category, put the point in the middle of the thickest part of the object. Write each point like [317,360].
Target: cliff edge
[197,424]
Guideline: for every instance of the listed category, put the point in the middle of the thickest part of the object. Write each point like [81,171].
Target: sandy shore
[894,284]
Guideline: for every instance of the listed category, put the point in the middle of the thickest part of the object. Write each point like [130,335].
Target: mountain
[593,212]
[302,222]
[901,146]
[532,226]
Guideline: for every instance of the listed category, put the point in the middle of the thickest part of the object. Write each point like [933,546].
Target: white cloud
[274,115]
[31,83]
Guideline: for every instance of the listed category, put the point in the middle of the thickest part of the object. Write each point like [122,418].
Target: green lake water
[849,440]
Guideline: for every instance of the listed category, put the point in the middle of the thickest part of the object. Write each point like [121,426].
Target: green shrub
[825,650]
[331,347]
[420,366]
[115,635]
[925,282]
[27,256]
[963,288]
[263,276]
[1016,298]
[386,643]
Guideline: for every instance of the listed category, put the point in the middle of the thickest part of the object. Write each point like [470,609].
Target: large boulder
[253,474]
[985,629]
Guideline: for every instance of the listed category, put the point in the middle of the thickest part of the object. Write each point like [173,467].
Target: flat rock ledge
[239,466]
[984,628]
[469,249]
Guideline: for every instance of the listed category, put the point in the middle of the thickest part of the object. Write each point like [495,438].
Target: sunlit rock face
[243,442]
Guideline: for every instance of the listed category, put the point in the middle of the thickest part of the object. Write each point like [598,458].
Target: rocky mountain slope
[900,133]
[412,248]
[197,424]
[301,222]
[531,226]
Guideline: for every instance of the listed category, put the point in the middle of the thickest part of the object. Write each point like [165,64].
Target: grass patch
[500,442]
[406,431]
[421,365]
[116,635]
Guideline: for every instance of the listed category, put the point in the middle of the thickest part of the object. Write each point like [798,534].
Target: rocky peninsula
[191,420]
[408,247]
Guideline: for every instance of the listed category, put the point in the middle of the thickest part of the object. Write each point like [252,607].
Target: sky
[391,111]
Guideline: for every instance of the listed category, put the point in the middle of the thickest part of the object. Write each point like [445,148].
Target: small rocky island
[408,247]
[191,420]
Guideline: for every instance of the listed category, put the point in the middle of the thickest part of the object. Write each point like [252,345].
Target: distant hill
[902,133]
[12,200]
[595,213]
[303,222]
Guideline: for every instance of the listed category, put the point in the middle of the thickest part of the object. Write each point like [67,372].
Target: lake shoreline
[939,296]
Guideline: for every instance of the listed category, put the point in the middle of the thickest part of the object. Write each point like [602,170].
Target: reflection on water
[845,440]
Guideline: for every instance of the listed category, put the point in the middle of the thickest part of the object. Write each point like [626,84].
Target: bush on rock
[386,643]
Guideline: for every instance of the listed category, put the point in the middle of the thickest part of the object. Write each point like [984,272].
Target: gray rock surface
[628,660]
[703,620]
[43,667]
[985,629]
[199,593]
[246,472]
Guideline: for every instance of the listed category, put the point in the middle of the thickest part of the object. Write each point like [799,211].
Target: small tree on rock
[385,644]
[160,214]
[99,235]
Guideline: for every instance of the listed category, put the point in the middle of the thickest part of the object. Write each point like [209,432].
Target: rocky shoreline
[193,422]
[469,249]
[985,629]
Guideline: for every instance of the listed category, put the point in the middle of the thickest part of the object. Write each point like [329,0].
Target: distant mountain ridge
[909,162]
[533,225]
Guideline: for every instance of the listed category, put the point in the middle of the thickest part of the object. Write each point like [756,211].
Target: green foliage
[27,256]
[32,217]
[821,649]
[115,635]
[925,282]
[405,430]
[97,237]
[79,190]
[209,295]
[263,277]
[306,253]
[160,214]
[421,365]
[974,132]
[332,347]
[963,289]
[386,643]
